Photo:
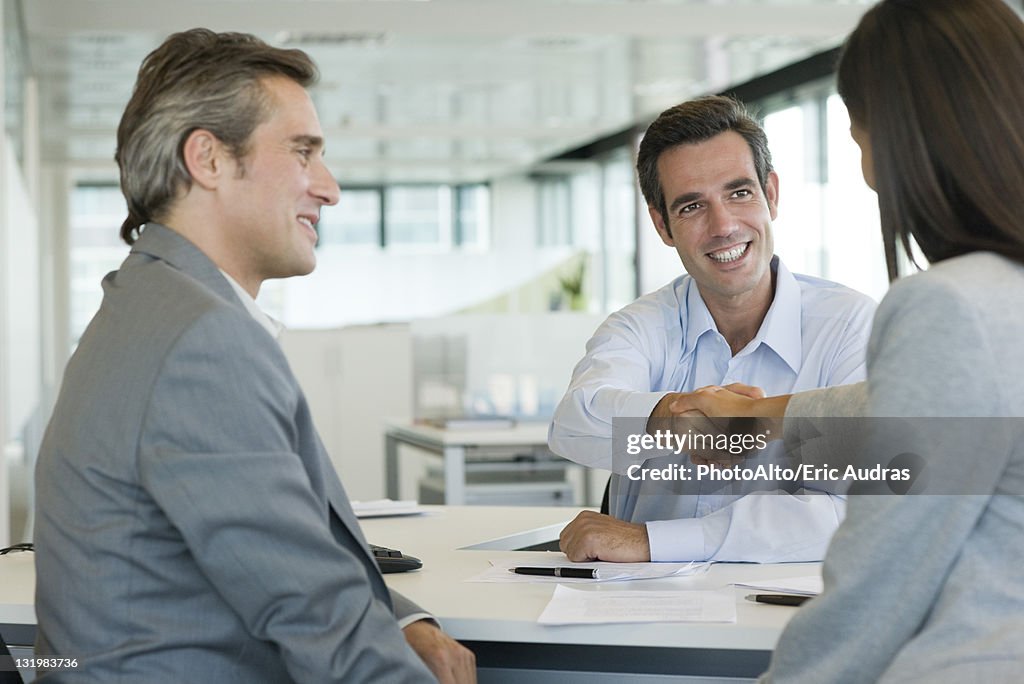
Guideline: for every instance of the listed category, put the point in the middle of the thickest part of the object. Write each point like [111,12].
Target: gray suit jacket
[190,526]
[928,587]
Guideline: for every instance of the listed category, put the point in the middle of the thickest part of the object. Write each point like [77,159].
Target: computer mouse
[392,560]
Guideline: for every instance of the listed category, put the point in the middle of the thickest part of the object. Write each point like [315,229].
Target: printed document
[571,606]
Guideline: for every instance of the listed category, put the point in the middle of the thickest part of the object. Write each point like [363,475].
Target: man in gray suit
[190,525]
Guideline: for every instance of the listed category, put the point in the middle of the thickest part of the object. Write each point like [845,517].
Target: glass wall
[355,220]
[15,62]
[472,216]
[828,217]
[590,211]
[96,213]
[418,216]
[375,223]
[423,216]
[619,234]
[554,211]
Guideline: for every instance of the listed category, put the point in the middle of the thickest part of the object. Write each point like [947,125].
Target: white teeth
[303,219]
[731,254]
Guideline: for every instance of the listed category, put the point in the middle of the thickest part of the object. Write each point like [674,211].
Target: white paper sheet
[804,585]
[501,571]
[383,508]
[569,606]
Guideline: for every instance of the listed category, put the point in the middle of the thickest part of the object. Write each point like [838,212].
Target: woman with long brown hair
[930,588]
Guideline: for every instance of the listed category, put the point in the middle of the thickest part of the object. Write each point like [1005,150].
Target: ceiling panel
[436,90]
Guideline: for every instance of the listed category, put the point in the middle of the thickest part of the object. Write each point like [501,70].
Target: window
[618,251]
[554,217]
[418,215]
[16,68]
[798,229]
[828,217]
[360,234]
[472,216]
[354,220]
[852,232]
[95,248]
[438,216]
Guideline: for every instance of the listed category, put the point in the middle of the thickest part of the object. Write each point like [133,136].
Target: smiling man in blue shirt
[737,316]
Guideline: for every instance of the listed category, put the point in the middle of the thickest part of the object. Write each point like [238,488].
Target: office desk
[456,447]
[17,612]
[499,621]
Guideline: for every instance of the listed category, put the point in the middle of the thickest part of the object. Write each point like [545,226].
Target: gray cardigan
[929,588]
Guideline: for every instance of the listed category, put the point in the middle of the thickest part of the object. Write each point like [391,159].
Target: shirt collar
[780,330]
[697,318]
[269,324]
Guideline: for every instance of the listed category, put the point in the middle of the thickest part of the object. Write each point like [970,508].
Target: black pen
[779,599]
[576,573]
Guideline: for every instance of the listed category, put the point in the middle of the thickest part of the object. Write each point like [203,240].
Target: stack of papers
[501,571]
[382,508]
[569,606]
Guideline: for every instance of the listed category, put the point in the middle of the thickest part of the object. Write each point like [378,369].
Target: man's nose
[325,186]
[722,222]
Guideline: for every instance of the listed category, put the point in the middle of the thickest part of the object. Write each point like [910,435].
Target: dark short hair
[195,79]
[938,85]
[693,122]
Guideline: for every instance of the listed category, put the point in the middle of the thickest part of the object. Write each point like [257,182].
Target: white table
[499,621]
[457,446]
[17,610]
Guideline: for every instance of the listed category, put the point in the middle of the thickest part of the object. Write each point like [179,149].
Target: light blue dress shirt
[814,335]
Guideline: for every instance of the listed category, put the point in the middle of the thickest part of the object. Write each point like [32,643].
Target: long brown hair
[939,87]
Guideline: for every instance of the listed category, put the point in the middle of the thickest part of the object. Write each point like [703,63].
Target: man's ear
[205,158]
[659,223]
[771,194]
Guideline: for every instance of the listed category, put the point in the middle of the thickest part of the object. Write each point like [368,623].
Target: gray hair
[196,79]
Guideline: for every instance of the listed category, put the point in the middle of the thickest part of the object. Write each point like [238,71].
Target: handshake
[713,420]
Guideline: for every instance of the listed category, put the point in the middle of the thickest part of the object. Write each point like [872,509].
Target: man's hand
[450,661]
[735,401]
[594,536]
[710,411]
[732,401]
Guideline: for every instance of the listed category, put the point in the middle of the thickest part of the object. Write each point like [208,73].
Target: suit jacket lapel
[342,515]
[160,242]
[339,506]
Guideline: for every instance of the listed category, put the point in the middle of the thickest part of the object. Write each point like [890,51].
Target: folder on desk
[804,585]
[385,508]
[473,423]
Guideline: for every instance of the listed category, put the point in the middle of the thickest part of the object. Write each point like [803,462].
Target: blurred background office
[489,216]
